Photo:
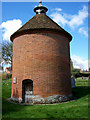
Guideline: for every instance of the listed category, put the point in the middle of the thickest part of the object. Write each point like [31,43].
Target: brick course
[45,59]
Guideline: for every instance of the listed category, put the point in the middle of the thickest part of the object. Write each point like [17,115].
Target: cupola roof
[40,9]
[40,22]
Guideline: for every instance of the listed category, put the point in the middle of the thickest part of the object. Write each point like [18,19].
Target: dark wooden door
[27,91]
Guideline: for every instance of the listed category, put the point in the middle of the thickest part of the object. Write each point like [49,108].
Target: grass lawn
[73,109]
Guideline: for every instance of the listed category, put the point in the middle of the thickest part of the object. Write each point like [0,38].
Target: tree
[0,57]
[7,52]
[71,63]
[74,72]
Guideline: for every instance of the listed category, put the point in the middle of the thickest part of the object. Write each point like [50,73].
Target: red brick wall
[45,59]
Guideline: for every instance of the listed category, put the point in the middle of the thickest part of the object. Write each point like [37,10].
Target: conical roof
[40,22]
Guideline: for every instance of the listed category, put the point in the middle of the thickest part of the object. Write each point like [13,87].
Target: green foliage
[76,73]
[85,74]
[9,76]
[71,109]
[81,82]
[6,76]
[71,63]
[3,76]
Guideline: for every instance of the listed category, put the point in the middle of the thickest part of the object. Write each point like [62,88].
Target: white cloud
[9,27]
[59,18]
[67,16]
[71,20]
[58,9]
[79,62]
[78,19]
[83,31]
[88,63]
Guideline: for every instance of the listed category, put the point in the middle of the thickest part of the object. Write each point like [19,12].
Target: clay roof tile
[41,21]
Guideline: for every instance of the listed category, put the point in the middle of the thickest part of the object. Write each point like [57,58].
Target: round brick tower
[41,61]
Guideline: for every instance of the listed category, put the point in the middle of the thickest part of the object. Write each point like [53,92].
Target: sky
[72,16]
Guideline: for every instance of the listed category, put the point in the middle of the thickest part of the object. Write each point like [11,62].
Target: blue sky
[72,16]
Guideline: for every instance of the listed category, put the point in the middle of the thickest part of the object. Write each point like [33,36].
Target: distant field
[81,82]
[70,109]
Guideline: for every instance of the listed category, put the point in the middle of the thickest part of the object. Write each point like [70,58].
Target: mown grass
[71,109]
[81,82]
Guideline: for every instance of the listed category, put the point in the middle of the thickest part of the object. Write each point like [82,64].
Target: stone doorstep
[48,100]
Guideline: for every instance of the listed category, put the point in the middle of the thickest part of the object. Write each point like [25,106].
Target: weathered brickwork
[45,59]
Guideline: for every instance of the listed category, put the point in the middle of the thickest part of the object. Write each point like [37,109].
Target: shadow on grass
[8,108]
[80,91]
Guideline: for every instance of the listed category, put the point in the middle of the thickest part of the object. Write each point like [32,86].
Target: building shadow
[9,106]
[80,91]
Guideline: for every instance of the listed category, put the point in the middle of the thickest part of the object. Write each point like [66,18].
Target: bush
[6,76]
[9,76]
[76,73]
